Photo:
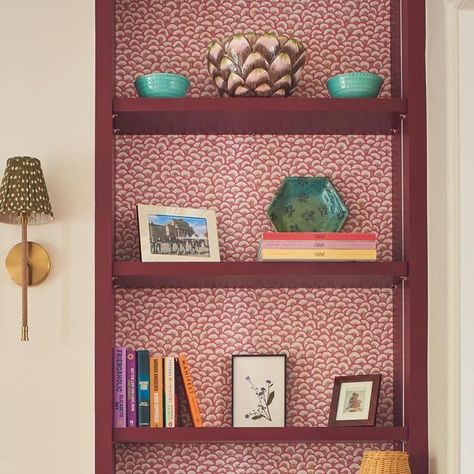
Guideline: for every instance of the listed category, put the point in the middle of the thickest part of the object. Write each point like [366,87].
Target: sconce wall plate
[39,264]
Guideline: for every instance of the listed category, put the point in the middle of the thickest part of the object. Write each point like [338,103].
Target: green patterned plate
[307,204]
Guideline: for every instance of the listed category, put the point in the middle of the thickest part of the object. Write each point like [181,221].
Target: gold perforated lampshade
[23,192]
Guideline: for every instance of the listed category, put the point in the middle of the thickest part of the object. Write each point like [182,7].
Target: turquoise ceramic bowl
[355,85]
[162,84]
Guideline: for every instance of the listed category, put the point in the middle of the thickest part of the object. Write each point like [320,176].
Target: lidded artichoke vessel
[256,65]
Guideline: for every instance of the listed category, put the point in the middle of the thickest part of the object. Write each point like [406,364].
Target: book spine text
[143,387]
[189,391]
[318,236]
[120,420]
[156,392]
[320,244]
[131,389]
[328,255]
[169,389]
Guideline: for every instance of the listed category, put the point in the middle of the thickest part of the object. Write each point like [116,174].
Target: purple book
[131,389]
[120,358]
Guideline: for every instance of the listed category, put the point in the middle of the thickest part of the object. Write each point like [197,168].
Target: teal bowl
[162,85]
[354,85]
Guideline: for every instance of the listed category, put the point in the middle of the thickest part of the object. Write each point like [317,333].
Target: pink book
[131,389]
[120,360]
[318,236]
[320,244]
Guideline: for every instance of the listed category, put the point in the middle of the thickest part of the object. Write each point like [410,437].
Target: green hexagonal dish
[307,204]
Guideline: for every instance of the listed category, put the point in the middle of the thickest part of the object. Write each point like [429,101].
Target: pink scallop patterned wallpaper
[242,459]
[325,332]
[173,36]
[238,176]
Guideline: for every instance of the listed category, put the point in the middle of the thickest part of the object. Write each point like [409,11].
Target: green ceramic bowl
[307,204]
[162,85]
[355,85]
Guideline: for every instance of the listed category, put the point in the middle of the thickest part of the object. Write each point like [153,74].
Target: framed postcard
[355,400]
[259,390]
[175,234]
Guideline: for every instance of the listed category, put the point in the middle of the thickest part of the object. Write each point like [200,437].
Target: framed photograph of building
[174,234]
[259,390]
[354,400]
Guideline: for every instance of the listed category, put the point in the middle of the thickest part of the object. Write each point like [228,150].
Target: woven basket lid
[385,462]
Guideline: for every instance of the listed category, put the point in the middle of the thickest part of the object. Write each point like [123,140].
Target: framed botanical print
[175,234]
[355,400]
[259,390]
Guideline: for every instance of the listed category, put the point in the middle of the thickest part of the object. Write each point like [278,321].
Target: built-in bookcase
[230,155]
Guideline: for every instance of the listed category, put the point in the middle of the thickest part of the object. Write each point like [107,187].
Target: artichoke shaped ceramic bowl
[307,204]
[253,65]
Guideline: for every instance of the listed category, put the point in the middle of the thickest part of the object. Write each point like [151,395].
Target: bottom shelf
[259,435]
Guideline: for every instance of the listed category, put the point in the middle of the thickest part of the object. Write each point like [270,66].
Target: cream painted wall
[466,168]
[436,69]
[47,111]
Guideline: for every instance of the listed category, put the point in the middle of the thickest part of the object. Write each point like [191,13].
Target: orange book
[190,392]
[156,392]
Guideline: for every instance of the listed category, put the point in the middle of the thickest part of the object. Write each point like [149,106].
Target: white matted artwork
[354,400]
[259,390]
[175,234]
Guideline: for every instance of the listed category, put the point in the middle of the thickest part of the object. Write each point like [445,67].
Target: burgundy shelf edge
[258,435]
[259,274]
[257,115]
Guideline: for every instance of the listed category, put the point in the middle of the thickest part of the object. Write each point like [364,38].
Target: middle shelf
[259,274]
[260,435]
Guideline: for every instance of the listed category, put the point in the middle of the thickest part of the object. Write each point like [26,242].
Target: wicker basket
[385,462]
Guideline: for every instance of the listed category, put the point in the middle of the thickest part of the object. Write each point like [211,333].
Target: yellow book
[318,254]
[156,392]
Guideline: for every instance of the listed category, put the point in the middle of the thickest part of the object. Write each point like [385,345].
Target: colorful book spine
[318,236]
[156,392]
[317,255]
[120,420]
[320,244]
[189,391]
[143,387]
[131,389]
[169,392]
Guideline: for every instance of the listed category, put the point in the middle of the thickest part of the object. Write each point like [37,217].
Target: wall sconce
[24,200]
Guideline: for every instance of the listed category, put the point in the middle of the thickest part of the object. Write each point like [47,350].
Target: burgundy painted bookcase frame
[404,116]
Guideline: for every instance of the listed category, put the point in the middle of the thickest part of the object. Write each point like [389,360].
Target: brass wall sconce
[24,200]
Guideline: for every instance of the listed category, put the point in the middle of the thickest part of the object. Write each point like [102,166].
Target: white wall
[47,111]
[436,69]
[466,168]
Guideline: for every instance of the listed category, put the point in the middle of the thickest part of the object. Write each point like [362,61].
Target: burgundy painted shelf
[257,115]
[258,435]
[259,274]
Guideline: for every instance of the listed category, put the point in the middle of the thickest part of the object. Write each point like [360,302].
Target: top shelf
[279,116]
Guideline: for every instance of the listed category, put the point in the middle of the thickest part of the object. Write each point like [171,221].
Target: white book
[169,389]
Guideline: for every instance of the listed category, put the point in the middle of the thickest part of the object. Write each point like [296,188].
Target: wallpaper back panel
[325,332]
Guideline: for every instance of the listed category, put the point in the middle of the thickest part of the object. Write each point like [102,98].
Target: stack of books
[145,390]
[316,246]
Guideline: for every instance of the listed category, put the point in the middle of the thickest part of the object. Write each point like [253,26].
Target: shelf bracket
[114,119]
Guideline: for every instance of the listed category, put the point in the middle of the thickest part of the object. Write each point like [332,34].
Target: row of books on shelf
[317,246]
[146,390]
